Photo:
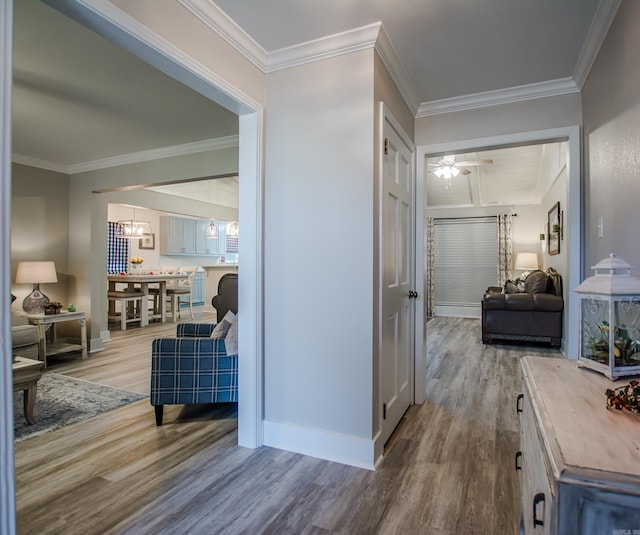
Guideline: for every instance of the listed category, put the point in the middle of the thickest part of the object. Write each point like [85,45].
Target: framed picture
[553,230]
[148,242]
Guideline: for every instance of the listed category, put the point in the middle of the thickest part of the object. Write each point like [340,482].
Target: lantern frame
[610,319]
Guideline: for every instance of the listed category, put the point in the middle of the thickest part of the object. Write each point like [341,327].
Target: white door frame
[106,19]
[385,116]
[574,237]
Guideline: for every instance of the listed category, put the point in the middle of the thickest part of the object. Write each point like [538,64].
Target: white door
[398,303]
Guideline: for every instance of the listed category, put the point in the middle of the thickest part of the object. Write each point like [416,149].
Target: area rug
[63,400]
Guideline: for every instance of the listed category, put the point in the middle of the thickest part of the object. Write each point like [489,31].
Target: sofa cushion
[522,301]
[493,301]
[536,282]
[547,302]
[24,335]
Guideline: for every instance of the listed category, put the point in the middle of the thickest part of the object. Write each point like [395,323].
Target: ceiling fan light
[454,170]
[446,172]
[438,172]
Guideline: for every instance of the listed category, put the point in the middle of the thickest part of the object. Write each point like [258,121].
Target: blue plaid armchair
[191,368]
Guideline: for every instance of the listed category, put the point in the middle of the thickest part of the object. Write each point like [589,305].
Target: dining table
[141,282]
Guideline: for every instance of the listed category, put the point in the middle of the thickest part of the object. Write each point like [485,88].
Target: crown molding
[135,157]
[40,164]
[551,88]
[389,57]
[365,37]
[216,19]
[602,20]
[323,48]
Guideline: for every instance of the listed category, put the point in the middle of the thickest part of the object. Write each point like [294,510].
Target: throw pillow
[220,330]
[536,282]
[231,340]
[511,288]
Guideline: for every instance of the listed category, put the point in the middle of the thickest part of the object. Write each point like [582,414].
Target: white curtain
[429,283]
[505,248]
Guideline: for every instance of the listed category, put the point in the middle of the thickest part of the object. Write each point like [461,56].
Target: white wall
[516,117]
[319,255]
[611,98]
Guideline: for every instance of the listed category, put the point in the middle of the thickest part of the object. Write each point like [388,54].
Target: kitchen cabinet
[578,461]
[177,235]
[184,236]
[197,291]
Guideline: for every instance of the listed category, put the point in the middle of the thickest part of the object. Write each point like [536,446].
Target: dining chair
[154,290]
[130,309]
[182,290]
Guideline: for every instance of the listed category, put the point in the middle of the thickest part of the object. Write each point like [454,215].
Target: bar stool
[131,306]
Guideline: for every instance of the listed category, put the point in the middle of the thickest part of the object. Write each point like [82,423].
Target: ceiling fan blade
[464,171]
[474,162]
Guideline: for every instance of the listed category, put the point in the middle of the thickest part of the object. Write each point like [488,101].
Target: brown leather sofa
[532,315]
[227,298]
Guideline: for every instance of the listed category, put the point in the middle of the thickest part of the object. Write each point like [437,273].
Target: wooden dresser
[579,462]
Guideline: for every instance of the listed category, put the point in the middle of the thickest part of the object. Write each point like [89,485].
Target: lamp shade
[36,272]
[527,261]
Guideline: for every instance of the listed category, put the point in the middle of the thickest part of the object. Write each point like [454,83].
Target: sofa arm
[193,330]
[192,370]
[494,290]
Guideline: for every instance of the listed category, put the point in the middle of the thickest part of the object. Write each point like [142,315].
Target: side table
[26,374]
[65,345]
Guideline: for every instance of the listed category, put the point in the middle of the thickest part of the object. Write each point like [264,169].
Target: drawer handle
[518,458]
[518,402]
[536,500]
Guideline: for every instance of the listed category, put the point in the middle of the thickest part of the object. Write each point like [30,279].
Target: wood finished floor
[448,468]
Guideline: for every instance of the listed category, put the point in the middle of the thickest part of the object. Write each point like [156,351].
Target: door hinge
[386,145]
[384,411]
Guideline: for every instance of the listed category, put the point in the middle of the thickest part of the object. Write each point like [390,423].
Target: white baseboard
[336,447]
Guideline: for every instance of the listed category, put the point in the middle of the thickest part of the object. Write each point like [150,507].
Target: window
[466,252]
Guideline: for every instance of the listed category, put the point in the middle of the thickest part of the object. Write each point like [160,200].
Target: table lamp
[526,262]
[35,273]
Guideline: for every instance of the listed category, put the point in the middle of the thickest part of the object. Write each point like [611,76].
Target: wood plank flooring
[448,468]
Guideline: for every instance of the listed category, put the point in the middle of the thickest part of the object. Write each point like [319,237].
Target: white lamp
[527,262]
[35,273]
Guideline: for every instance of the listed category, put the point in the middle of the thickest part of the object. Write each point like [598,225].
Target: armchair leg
[159,409]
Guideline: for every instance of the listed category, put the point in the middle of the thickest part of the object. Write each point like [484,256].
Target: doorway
[573,231]
[136,39]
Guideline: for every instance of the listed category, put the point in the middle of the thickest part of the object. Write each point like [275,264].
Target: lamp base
[34,302]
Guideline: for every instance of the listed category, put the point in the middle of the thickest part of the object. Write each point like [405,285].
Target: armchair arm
[192,330]
[192,370]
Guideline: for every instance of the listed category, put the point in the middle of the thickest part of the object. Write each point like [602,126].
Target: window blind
[466,252]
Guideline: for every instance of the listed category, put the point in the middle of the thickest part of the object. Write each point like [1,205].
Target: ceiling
[517,176]
[448,48]
[80,100]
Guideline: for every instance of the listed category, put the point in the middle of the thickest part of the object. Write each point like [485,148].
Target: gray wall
[40,227]
[611,112]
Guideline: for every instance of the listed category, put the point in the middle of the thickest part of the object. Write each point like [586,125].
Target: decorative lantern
[610,319]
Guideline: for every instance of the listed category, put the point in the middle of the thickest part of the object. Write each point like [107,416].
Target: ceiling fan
[448,167]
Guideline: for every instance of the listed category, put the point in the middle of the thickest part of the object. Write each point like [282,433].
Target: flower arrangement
[136,260]
[624,397]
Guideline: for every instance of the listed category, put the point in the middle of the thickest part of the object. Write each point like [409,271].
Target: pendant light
[133,228]
[233,229]
[211,231]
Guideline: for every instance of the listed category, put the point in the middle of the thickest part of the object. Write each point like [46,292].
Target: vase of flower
[136,265]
